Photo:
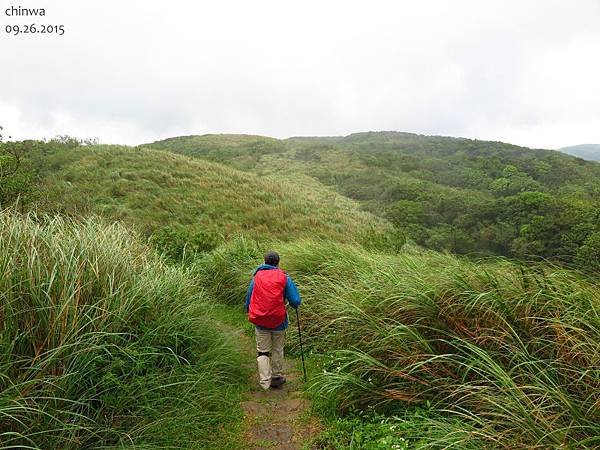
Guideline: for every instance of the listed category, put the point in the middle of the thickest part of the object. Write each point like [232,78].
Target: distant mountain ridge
[585,151]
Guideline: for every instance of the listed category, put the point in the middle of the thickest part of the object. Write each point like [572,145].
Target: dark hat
[272,258]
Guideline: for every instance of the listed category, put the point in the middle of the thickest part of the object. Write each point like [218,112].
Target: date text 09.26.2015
[35,29]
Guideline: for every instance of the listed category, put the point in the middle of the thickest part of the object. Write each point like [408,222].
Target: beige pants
[269,345]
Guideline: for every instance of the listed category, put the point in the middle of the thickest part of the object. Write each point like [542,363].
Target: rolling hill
[461,195]
[189,203]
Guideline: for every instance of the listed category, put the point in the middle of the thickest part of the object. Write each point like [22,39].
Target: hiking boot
[277,381]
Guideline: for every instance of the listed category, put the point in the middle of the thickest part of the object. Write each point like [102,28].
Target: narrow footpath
[277,418]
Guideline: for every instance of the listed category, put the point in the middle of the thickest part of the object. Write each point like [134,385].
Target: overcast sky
[526,72]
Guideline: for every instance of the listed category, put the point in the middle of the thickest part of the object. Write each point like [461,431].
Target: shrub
[226,272]
[383,240]
[588,255]
[179,243]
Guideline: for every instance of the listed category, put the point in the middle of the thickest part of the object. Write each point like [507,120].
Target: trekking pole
[301,349]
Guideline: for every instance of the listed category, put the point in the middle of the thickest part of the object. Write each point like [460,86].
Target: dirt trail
[277,418]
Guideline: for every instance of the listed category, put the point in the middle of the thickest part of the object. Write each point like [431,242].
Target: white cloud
[521,71]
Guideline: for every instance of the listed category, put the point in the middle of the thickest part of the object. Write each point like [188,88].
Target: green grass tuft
[103,345]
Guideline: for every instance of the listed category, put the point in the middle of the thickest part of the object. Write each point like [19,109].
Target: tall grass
[102,344]
[500,355]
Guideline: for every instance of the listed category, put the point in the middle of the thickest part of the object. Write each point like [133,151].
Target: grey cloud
[136,71]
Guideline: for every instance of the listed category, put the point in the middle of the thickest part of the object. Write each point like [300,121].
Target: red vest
[267,306]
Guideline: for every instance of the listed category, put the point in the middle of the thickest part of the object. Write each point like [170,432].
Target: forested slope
[462,195]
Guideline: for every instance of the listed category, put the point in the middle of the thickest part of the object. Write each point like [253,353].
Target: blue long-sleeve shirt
[291,294]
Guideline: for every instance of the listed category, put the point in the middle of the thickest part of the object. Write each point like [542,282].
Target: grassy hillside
[584,151]
[407,349]
[424,350]
[192,205]
[242,151]
[104,345]
[462,195]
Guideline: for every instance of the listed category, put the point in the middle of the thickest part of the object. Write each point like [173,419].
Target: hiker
[265,305]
